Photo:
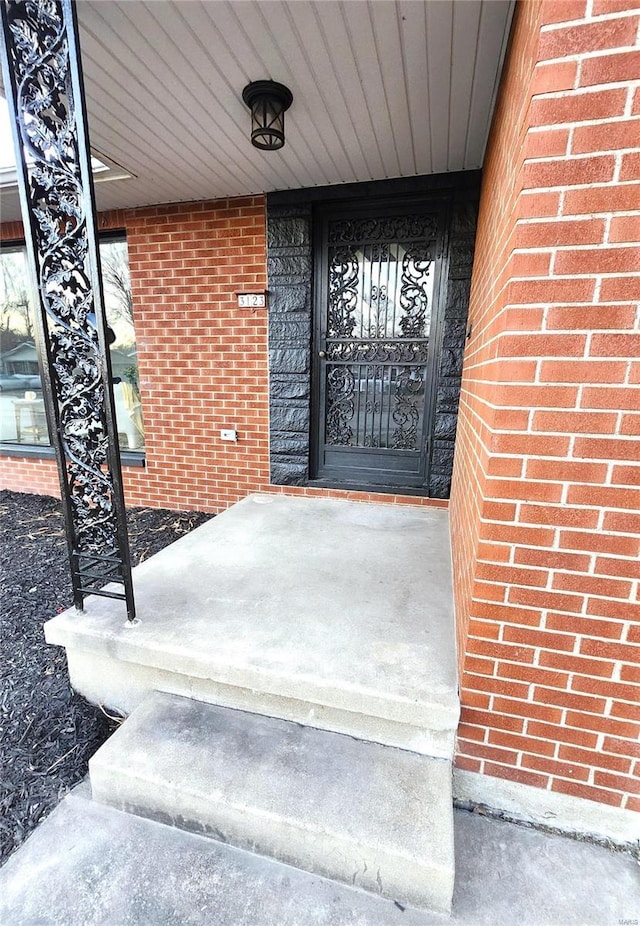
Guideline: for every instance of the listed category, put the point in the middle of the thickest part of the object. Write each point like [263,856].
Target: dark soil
[47,731]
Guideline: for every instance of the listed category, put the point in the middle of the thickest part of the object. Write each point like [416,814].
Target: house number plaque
[252,300]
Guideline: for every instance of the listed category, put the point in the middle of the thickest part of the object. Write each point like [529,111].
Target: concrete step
[326,612]
[371,816]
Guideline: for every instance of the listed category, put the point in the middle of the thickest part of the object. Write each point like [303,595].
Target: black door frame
[438,203]
[290,271]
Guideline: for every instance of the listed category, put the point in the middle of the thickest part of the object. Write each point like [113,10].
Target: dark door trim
[290,275]
[412,470]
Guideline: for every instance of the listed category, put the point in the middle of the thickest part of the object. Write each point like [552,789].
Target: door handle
[322,353]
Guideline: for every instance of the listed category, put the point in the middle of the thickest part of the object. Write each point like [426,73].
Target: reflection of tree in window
[15,317]
[116,281]
[22,418]
[118,297]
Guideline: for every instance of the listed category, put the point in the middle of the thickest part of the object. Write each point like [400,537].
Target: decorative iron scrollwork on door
[406,414]
[43,81]
[343,293]
[414,292]
[341,405]
[418,227]
[380,287]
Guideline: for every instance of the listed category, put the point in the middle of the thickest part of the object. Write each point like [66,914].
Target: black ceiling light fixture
[268,102]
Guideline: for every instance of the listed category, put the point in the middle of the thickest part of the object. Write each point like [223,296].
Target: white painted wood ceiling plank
[159,66]
[386,30]
[439,39]
[466,24]
[131,87]
[360,29]
[116,132]
[491,46]
[121,134]
[414,51]
[309,19]
[348,76]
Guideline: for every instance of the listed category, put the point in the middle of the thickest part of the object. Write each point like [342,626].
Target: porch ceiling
[381,89]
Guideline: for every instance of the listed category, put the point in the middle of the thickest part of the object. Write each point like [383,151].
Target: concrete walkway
[89,865]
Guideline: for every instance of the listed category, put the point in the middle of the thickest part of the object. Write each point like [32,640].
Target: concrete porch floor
[332,613]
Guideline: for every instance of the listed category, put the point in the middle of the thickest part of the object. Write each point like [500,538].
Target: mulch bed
[48,732]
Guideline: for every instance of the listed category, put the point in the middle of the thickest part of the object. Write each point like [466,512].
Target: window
[22,417]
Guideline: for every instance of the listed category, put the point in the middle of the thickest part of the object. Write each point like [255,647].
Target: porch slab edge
[335,604]
[123,686]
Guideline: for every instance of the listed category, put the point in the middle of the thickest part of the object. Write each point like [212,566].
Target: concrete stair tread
[374,816]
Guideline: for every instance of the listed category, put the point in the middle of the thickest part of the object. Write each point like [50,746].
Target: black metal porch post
[43,84]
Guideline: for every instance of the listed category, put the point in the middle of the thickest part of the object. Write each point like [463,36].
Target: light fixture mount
[268,102]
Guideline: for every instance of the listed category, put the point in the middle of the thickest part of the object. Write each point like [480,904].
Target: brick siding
[203,362]
[546,482]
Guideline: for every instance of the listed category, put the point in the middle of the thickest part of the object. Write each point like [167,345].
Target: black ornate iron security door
[43,82]
[377,298]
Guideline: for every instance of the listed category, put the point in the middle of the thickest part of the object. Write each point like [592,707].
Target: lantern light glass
[268,102]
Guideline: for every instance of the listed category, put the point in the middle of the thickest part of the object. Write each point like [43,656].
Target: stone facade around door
[290,268]
[289,274]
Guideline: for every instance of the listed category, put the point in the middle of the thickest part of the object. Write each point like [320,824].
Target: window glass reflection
[22,416]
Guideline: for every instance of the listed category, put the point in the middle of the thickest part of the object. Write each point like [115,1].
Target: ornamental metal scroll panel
[418,227]
[377,335]
[43,80]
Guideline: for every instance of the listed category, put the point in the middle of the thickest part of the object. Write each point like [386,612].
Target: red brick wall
[202,361]
[546,491]
[494,243]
